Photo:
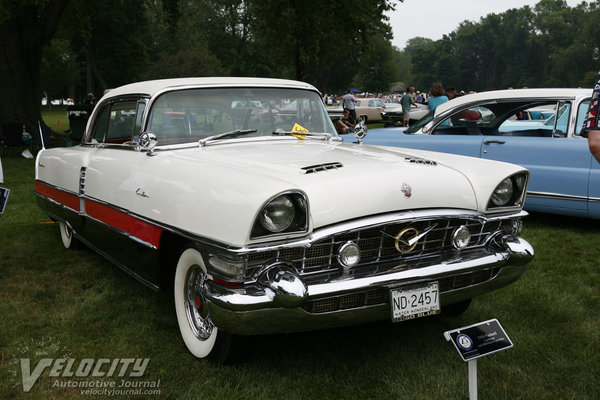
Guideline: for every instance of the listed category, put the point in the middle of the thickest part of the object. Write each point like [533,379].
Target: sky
[434,18]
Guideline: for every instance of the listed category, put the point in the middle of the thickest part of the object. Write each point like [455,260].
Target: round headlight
[461,237]
[278,214]
[503,193]
[349,255]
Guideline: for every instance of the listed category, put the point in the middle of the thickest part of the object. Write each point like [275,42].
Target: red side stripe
[140,229]
[68,199]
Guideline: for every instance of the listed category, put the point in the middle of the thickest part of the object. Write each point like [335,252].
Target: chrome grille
[378,245]
[382,296]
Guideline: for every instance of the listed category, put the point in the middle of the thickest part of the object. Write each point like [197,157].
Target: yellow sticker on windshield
[299,128]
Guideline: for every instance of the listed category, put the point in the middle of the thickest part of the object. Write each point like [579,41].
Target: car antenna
[41,135]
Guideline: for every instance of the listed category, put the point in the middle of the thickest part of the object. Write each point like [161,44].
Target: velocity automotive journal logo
[105,376]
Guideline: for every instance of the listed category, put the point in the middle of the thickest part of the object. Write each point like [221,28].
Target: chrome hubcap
[68,230]
[196,308]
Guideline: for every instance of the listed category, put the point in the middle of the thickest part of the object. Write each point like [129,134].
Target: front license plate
[414,302]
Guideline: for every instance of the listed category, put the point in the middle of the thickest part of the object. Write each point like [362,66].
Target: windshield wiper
[314,135]
[234,133]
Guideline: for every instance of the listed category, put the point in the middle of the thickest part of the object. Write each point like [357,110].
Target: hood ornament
[406,189]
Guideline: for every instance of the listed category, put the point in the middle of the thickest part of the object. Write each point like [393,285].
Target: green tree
[111,39]
[26,26]
[377,70]
[59,69]
[548,46]
[309,39]
[403,64]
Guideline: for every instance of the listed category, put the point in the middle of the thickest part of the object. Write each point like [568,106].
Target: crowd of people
[437,95]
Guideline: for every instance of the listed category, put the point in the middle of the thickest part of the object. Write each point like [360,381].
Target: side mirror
[148,141]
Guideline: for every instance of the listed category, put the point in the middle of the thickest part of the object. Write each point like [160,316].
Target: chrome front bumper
[276,304]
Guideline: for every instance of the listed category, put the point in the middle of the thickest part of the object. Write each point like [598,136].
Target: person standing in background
[407,101]
[349,103]
[437,96]
[590,128]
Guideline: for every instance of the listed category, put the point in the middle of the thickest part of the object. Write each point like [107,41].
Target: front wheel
[200,335]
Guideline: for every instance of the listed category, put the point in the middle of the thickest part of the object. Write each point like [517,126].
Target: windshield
[194,114]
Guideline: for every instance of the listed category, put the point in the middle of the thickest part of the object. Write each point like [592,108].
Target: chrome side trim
[560,196]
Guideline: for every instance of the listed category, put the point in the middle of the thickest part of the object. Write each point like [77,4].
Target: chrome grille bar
[378,245]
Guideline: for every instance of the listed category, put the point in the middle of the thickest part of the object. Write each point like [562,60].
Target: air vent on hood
[417,160]
[311,169]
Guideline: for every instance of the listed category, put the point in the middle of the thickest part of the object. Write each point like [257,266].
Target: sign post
[475,341]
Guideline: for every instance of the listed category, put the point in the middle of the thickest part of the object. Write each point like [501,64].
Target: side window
[564,112]
[581,114]
[541,120]
[100,125]
[466,122]
[115,123]
[121,122]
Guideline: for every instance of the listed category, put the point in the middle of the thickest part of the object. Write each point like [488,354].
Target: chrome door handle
[494,141]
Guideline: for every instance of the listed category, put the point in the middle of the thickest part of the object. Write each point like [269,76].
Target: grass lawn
[57,303]
[55,118]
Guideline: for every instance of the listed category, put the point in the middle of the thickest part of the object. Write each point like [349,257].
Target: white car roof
[513,94]
[150,88]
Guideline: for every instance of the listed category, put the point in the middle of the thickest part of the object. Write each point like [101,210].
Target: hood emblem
[407,190]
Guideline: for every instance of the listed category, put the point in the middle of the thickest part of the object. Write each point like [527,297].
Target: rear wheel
[66,234]
[200,335]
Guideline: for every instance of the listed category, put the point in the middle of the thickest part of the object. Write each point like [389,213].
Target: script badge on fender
[407,190]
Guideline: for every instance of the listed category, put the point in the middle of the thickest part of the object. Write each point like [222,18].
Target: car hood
[342,181]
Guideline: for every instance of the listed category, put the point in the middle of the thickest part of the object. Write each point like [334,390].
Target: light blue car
[565,178]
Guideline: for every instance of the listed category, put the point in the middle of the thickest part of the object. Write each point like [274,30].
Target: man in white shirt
[349,103]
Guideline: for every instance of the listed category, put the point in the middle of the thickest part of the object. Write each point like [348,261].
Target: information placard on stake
[475,341]
[479,340]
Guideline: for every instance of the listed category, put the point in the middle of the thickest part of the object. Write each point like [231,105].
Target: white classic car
[393,113]
[263,224]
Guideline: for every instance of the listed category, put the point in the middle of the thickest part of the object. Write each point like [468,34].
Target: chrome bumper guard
[277,302]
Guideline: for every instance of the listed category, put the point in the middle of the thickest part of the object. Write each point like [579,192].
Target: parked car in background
[393,112]
[565,179]
[268,223]
[537,113]
[368,109]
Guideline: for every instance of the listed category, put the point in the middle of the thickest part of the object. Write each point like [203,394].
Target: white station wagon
[266,222]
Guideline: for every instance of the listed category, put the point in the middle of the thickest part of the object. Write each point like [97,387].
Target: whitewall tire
[66,234]
[197,330]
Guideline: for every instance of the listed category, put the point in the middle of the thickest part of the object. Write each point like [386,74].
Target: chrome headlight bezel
[285,213]
[509,193]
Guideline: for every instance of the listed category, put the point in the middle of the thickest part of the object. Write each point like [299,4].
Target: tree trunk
[23,38]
